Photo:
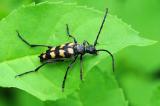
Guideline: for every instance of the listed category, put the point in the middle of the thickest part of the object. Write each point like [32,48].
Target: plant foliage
[44,23]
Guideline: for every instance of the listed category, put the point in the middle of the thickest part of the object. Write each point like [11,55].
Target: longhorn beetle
[68,50]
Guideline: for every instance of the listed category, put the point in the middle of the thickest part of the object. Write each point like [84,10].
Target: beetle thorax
[80,49]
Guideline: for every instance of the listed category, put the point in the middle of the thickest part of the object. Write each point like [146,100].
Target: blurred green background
[142,15]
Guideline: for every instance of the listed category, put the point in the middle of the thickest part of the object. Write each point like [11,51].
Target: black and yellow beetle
[68,50]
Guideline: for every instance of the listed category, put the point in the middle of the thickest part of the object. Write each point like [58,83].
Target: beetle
[68,50]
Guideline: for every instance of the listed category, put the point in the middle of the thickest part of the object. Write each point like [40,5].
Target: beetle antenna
[113,62]
[95,42]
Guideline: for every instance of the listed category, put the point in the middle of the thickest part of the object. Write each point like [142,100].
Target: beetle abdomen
[62,51]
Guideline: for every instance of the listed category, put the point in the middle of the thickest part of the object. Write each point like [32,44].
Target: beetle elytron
[68,50]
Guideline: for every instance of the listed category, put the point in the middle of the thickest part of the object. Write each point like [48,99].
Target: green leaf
[45,24]
[22,99]
[6,6]
[100,5]
[139,89]
[155,97]
[99,89]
